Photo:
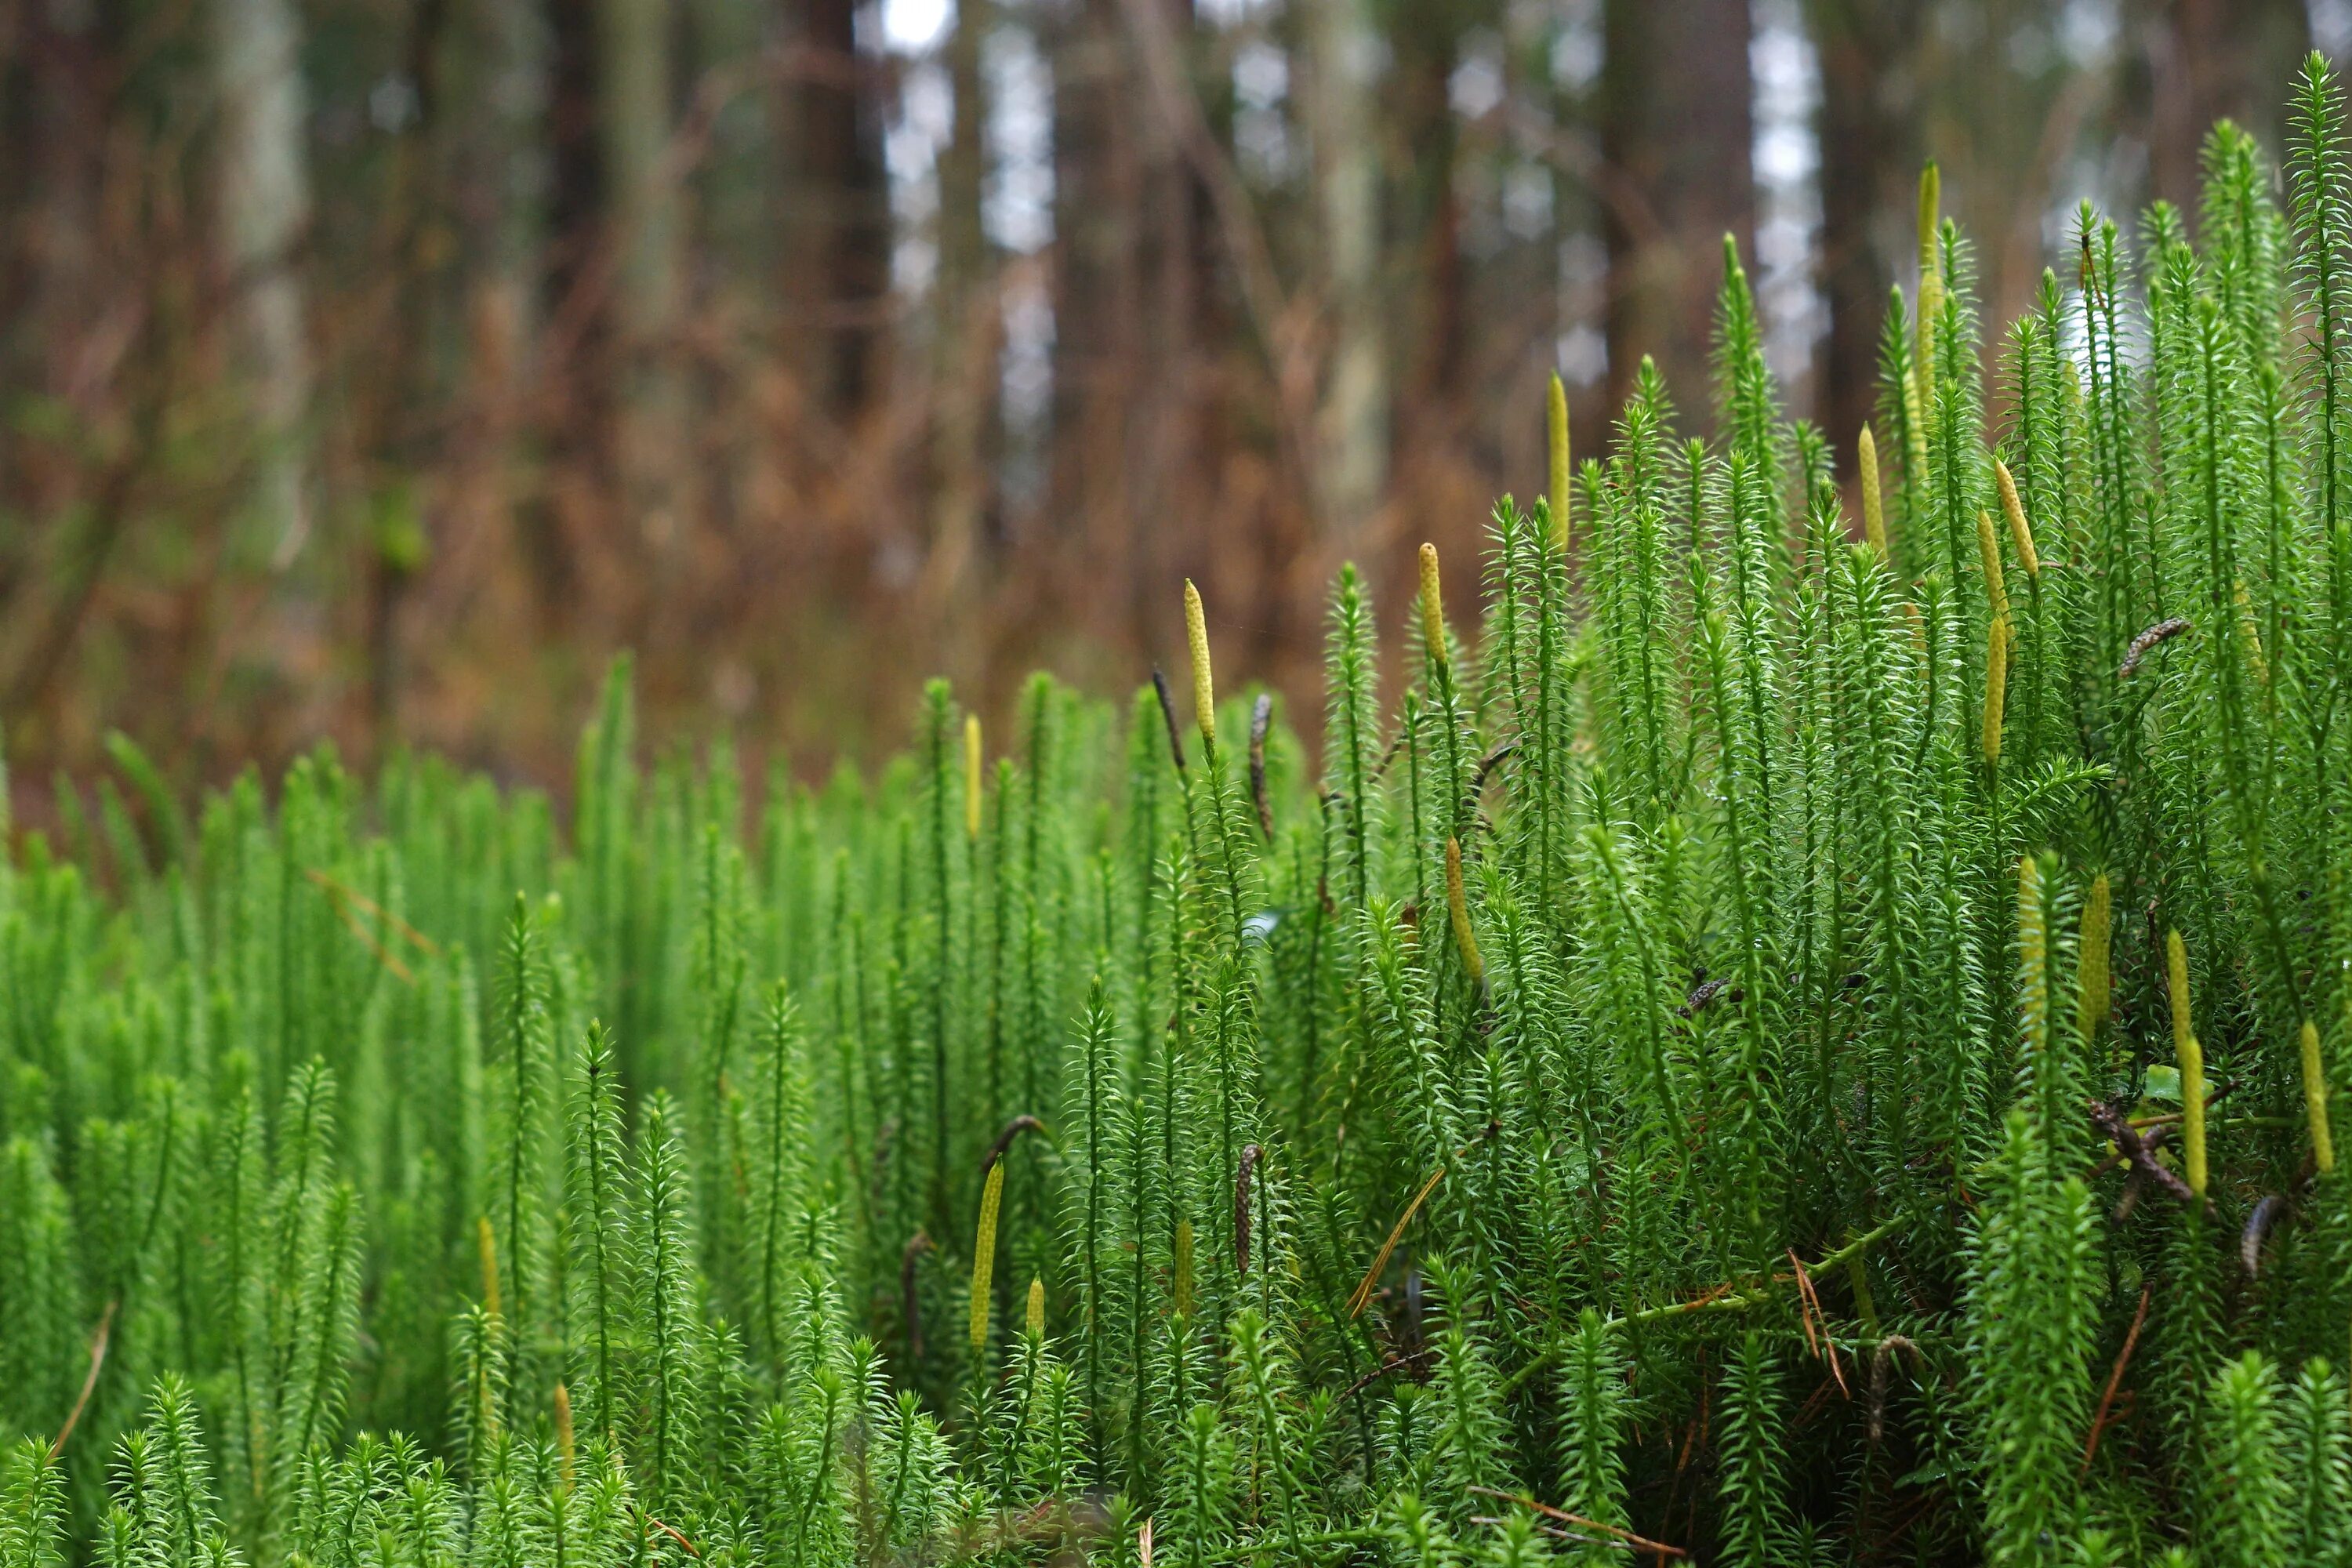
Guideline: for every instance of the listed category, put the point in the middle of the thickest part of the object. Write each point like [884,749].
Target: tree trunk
[1109,217]
[575,198]
[1353,432]
[1677,129]
[734,181]
[634,39]
[1427,228]
[576,361]
[2214,60]
[650,424]
[838,229]
[965,317]
[1869,157]
[264,203]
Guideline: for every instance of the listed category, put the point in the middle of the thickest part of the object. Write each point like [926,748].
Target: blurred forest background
[375,369]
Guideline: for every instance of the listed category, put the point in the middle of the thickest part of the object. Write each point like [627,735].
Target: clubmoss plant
[1683,1069]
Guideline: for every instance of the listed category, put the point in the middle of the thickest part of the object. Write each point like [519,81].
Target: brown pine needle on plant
[1371,1279]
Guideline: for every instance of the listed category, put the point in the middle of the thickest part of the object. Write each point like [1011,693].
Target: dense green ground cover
[1654,1090]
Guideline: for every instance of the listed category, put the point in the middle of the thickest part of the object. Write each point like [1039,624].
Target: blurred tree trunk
[1427,37]
[54,81]
[966,312]
[1869,140]
[837,235]
[1677,129]
[575,199]
[265,204]
[400,410]
[576,361]
[2214,60]
[734,181]
[633,47]
[1352,434]
[634,51]
[1140,317]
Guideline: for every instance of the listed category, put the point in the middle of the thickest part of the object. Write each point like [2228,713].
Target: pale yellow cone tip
[2176,975]
[2192,1055]
[1996,686]
[972,776]
[983,1254]
[2092,986]
[1457,906]
[1432,606]
[1182,1268]
[2248,634]
[488,1241]
[1556,451]
[1931,202]
[1204,685]
[566,1448]
[1036,1323]
[1915,422]
[2192,1116]
[1989,555]
[2020,533]
[2314,1099]
[1874,504]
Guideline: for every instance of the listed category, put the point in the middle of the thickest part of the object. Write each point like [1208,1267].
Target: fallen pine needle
[1388,1249]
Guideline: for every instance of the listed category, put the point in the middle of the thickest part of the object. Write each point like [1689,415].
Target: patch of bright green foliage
[1646,1071]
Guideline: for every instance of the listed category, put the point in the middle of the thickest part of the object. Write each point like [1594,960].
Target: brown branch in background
[1388,1249]
[1168,712]
[98,1342]
[1397,1364]
[1487,765]
[1261,715]
[2135,1149]
[1809,1307]
[383,955]
[1013,1129]
[671,1530]
[109,517]
[1285,345]
[2115,1380]
[1638,1543]
[344,901]
[1881,1355]
[401,928]
[917,1245]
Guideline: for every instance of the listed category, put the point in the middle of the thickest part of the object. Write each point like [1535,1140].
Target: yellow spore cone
[1204,685]
[487,1241]
[1433,607]
[2092,998]
[2192,1064]
[1556,451]
[566,1448]
[2314,1099]
[2021,534]
[1457,905]
[1989,553]
[1874,504]
[983,1254]
[1996,687]
[972,776]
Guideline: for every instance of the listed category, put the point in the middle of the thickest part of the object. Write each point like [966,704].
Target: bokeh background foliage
[377,368]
